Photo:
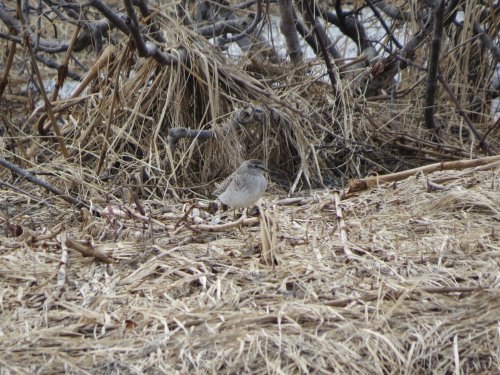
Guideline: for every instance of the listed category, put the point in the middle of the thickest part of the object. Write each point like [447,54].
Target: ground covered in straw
[401,278]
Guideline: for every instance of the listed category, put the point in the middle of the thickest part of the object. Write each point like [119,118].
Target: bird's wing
[220,188]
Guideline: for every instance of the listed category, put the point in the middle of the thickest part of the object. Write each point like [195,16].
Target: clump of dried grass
[419,291]
[410,285]
[137,108]
[118,137]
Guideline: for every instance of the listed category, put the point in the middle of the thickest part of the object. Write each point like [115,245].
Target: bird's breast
[244,191]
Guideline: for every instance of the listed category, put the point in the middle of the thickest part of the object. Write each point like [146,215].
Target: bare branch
[321,40]
[48,105]
[287,26]
[392,11]
[319,31]
[384,25]
[433,68]
[482,142]
[95,29]
[116,19]
[23,173]
[248,30]
[233,26]
[366,183]
[87,250]
[8,66]
[487,41]
[131,27]
[245,116]
[154,29]
[307,35]
[176,134]
[351,27]
[55,65]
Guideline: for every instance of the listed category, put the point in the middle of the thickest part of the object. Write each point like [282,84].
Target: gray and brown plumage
[245,186]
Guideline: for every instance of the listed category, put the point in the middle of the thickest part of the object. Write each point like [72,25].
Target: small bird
[245,186]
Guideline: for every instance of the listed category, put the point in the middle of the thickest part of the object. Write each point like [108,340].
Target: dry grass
[402,278]
[419,294]
[315,140]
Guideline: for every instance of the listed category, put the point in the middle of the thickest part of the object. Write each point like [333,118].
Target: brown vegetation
[114,260]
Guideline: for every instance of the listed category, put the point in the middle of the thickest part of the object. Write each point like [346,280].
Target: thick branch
[87,250]
[51,45]
[176,134]
[350,27]
[248,30]
[320,34]
[242,118]
[432,73]
[145,49]
[366,183]
[307,35]
[133,26]
[487,41]
[287,26]
[154,29]
[232,26]
[116,19]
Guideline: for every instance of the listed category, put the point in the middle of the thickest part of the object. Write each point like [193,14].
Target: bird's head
[254,166]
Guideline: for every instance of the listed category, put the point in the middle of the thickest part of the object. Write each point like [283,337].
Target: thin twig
[482,142]
[8,66]
[28,194]
[242,221]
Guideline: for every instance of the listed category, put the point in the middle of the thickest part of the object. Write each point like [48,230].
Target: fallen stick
[88,251]
[242,221]
[21,191]
[23,173]
[366,183]
[368,297]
